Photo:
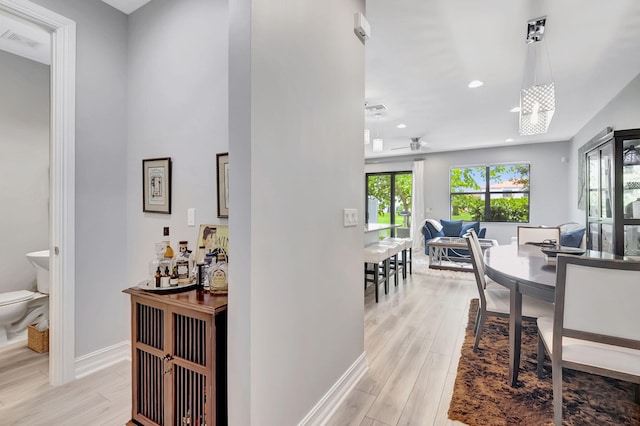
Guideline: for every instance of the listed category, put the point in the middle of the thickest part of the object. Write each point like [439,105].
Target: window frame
[392,186]
[487,192]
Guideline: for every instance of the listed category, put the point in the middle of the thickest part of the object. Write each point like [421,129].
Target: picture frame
[214,239]
[156,185]
[222,181]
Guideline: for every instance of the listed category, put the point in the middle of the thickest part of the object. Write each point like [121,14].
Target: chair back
[478,263]
[537,234]
[597,300]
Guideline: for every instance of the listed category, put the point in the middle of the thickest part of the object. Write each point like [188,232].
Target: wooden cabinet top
[198,300]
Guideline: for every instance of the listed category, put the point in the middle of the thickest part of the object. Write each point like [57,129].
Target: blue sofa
[451,228]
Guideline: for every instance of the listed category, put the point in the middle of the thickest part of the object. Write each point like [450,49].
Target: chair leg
[556,372]
[410,261]
[376,279]
[475,325]
[483,316]
[540,360]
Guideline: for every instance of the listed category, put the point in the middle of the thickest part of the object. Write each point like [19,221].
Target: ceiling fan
[415,145]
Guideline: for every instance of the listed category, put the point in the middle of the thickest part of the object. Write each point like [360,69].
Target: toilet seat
[15,297]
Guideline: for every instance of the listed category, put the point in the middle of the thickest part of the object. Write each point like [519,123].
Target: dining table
[525,269]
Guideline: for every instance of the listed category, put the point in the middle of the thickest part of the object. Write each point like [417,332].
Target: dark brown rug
[481,395]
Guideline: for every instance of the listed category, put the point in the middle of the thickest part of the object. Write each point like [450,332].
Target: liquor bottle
[168,252]
[219,281]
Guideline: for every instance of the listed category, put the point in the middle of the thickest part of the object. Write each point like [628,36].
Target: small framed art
[222,173]
[156,185]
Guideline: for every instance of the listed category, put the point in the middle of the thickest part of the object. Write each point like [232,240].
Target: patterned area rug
[481,395]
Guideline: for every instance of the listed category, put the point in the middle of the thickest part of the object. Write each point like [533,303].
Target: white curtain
[417,203]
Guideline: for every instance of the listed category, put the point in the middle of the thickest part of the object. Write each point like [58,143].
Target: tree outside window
[498,193]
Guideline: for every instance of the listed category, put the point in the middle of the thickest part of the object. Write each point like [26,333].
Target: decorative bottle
[168,251]
[219,282]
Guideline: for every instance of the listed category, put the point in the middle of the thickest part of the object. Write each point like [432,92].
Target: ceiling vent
[10,35]
[376,109]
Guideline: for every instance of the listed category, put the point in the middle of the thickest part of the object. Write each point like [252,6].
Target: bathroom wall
[24,167]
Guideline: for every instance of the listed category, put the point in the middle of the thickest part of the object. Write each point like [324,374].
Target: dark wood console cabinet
[178,358]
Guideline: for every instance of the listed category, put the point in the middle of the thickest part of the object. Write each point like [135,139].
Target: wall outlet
[191,217]
[350,217]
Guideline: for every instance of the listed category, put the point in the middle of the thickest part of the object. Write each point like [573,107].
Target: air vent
[10,35]
[376,109]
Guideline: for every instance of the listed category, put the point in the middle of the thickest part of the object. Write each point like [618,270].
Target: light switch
[191,217]
[350,217]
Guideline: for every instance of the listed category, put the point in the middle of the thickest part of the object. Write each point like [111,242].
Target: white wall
[549,181]
[296,307]
[623,112]
[178,103]
[24,167]
[102,311]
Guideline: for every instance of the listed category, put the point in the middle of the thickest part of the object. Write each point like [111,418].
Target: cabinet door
[192,356]
[149,362]
[631,196]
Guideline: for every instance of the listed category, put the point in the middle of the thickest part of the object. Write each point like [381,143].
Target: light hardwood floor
[412,341]
[26,398]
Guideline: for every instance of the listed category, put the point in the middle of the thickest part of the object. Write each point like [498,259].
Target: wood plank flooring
[27,398]
[412,340]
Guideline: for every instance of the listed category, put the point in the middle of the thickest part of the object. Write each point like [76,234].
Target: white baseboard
[324,409]
[103,358]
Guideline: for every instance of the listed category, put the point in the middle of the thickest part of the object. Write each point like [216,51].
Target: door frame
[61,186]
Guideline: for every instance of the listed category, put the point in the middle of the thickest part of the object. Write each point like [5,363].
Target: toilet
[19,309]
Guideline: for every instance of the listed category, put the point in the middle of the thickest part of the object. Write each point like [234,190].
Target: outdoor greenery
[379,187]
[469,192]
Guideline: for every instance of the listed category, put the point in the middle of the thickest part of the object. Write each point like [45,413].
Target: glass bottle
[168,252]
[219,281]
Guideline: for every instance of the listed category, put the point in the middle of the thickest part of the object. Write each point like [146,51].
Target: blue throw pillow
[572,239]
[432,231]
[451,228]
[473,225]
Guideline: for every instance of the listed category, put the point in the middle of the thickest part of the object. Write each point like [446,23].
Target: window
[497,193]
[389,200]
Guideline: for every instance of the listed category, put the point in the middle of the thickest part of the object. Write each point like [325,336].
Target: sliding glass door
[389,201]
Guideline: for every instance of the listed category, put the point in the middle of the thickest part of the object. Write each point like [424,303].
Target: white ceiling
[423,53]
[126,6]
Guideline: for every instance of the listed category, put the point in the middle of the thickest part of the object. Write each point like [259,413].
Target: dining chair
[496,301]
[538,234]
[595,324]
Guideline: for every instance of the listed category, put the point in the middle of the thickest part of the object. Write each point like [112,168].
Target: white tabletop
[373,227]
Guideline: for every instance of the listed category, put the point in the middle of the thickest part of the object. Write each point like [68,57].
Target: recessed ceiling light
[508,140]
[515,109]
[401,126]
[475,83]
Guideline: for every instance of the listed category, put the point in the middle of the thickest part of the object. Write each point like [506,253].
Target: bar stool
[407,255]
[375,254]
[395,246]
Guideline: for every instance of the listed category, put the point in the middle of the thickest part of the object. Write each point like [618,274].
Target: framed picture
[222,172]
[214,239]
[156,185]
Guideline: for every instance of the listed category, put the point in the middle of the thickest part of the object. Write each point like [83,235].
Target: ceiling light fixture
[377,141]
[515,109]
[401,126]
[475,83]
[377,145]
[537,97]
[508,140]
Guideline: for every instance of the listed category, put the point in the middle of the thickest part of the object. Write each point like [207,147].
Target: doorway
[389,201]
[61,184]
